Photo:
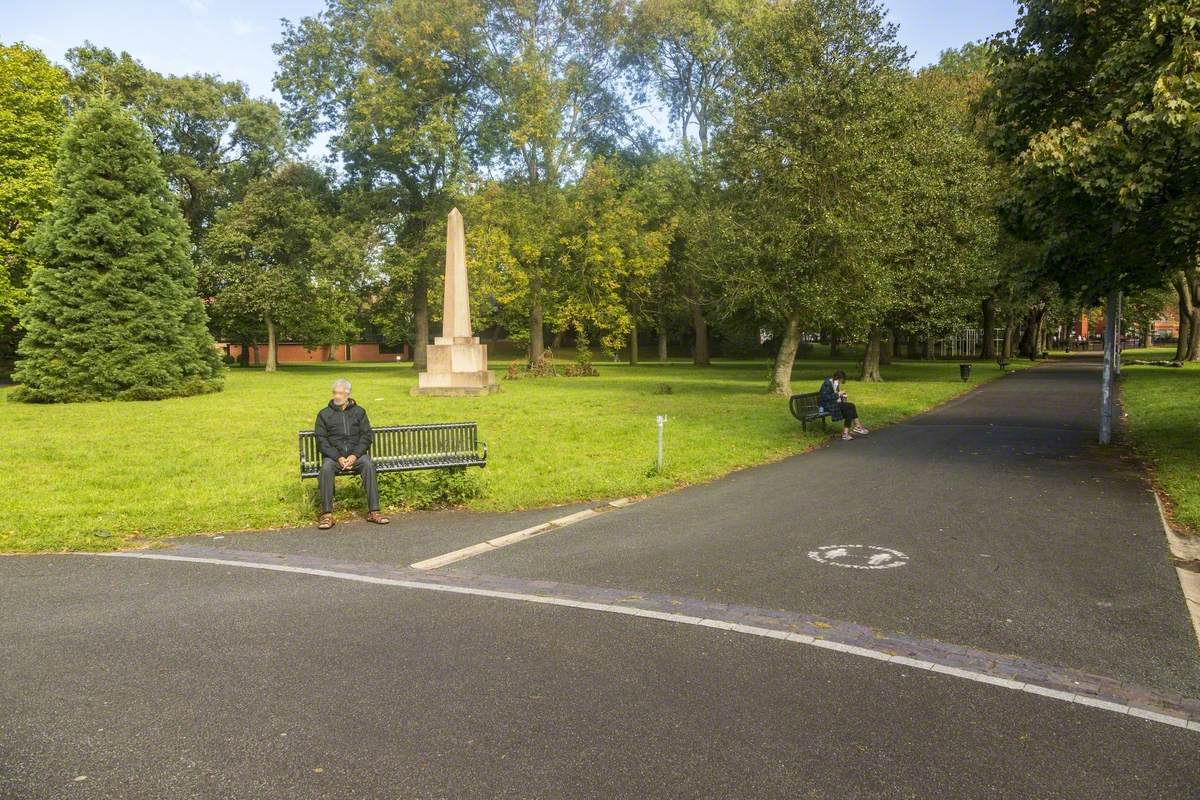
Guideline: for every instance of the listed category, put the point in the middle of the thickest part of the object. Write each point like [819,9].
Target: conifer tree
[113,310]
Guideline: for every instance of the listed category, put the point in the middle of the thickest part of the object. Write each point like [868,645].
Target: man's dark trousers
[364,467]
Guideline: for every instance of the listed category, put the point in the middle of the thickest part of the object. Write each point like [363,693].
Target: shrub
[440,488]
[113,311]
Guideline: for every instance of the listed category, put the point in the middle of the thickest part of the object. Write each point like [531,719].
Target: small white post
[661,420]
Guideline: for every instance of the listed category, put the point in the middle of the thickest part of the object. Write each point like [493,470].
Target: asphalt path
[1023,536]
[127,678]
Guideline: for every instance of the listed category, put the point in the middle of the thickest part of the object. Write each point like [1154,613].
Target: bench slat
[403,448]
[807,408]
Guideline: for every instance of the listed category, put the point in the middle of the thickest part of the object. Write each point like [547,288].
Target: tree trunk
[1185,320]
[1187,286]
[870,369]
[887,350]
[1147,334]
[272,353]
[785,359]
[926,349]
[420,305]
[662,343]
[1010,331]
[537,341]
[1193,353]
[1028,344]
[700,326]
[910,344]
[244,356]
[989,328]
[633,345]
[1032,340]
[835,343]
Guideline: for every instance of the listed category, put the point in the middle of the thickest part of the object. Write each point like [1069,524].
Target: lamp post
[1111,355]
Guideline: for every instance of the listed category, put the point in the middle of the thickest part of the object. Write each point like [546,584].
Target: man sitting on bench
[834,401]
[344,439]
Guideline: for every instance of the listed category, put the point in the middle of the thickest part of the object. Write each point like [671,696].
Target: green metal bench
[807,408]
[403,448]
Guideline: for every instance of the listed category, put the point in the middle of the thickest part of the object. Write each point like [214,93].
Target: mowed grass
[1163,404]
[93,475]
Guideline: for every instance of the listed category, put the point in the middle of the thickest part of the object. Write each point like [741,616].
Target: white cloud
[241,27]
[198,7]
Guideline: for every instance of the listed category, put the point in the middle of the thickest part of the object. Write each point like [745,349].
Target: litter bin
[964,371]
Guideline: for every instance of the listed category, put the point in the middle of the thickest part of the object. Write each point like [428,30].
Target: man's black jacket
[342,432]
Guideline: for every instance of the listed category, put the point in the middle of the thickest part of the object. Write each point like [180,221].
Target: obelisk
[456,363]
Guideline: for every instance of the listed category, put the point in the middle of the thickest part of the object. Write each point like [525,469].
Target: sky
[233,39]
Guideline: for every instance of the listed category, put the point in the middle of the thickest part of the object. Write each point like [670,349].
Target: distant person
[834,401]
[344,439]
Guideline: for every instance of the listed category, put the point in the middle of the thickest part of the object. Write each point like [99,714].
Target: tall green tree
[400,85]
[213,138]
[559,73]
[812,79]
[32,118]
[934,224]
[685,49]
[113,312]
[1095,105]
[281,256]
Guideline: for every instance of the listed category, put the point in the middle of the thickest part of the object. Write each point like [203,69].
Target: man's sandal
[377,518]
[325,522]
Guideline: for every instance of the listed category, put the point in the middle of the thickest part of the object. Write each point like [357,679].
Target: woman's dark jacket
[829,401]
[342,432]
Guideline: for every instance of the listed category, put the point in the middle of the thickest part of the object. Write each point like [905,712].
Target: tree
[32,118]
[685,47]
[557,72]
[401,85]
[212,137]
[607,242]
[1096,108]
[1145,306]
[812,77]
[113,312]
[276,256]
[934,222]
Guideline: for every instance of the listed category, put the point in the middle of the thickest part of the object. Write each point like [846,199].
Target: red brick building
[291,353]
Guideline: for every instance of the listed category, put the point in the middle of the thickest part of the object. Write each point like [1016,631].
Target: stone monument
[456,363]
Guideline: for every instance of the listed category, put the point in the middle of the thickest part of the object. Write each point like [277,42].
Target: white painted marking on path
[683,619]
[858,556]
[519,536]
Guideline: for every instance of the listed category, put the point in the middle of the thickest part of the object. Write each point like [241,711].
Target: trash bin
[964,371]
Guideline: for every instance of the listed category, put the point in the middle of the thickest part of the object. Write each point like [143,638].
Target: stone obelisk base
[456,367]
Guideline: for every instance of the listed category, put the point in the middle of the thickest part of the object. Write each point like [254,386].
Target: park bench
[403,448]
[807,407]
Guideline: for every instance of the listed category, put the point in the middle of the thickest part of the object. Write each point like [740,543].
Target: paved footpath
[1031,643]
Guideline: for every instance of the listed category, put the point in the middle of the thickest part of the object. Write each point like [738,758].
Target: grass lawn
[92,475]
[1164,422]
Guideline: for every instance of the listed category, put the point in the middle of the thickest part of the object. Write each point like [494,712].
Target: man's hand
[350,460]
[343,462]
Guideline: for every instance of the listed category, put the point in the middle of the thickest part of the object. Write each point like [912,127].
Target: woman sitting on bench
[833,400]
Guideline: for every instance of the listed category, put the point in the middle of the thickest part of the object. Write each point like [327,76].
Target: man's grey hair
[341,382]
